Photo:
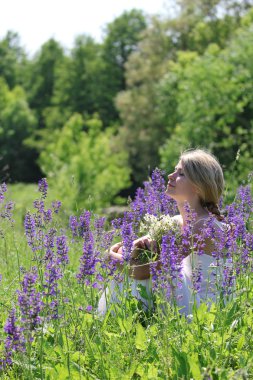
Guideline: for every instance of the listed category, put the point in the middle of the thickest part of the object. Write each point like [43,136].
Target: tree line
[97,119]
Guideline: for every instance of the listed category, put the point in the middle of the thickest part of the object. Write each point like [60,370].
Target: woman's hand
[143,242]
[115,252]
[138,272]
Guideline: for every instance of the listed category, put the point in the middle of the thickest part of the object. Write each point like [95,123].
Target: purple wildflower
[99,225]
[85,225]
[14,341]
[89,308]
[88,261]
[168,277]
[81,227]
[56,205]
[49,241]
[43,186]
[54,310]
[8,210]
[137,206]
[167,204]
[239,211]
[197,277]
[153,198]
[62,250]
[38,218]
[52,274]
[30,302]
[47,216]
[128,235]
[39,205]
[30,230]
[3,189]
[228,278]
[107,240]
[73,224]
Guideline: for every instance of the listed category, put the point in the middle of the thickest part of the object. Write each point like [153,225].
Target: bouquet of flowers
[155,228]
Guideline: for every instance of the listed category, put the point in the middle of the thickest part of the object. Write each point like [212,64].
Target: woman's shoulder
[211,221]
[177,217]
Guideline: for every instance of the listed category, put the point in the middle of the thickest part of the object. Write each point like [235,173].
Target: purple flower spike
[84,225]
[30,302]
[62,250]
[3,189]
[52,274]
[73,224]
[56,205]
[14,341]
[43,186]
[49,242]
[30,230]
[88,261]
[47,216]
[8,210]
[197,278]
[39,205]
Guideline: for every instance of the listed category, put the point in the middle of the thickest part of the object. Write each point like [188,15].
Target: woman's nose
[170,176]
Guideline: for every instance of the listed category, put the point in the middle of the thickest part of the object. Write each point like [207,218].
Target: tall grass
[53,275]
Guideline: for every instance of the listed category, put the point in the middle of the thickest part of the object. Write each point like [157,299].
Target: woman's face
[179,186]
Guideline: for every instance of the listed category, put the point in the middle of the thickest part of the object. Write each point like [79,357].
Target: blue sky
[36,21]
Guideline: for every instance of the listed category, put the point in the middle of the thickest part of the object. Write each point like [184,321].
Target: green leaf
[126,323]
[240,342]
[140,339]
[194,366]
[152,372]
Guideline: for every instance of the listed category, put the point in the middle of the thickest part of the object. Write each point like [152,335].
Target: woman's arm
[138,272]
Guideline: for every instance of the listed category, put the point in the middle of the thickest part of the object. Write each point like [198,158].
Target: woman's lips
[169,184]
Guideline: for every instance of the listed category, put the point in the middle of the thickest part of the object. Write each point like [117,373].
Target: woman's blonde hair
[204,171]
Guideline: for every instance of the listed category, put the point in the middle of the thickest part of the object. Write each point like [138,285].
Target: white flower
[156,227]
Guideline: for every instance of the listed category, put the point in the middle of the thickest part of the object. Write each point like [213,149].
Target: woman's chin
[169,193]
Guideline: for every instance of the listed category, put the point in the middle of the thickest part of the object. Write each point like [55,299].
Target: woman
[197,181]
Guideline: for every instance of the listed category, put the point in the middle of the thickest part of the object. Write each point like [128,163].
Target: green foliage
[213,343]
[143,127]
[164,83]
[160,58]
[42,77]
[17,122]
[84,164]
[12,57]
[212,104]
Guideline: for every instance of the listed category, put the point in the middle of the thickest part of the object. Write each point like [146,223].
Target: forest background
[98,118]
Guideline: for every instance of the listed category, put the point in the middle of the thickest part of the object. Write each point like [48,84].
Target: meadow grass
[59,334]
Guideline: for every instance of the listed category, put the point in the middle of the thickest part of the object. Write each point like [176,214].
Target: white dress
[184,295]
[209,285]
[115,288]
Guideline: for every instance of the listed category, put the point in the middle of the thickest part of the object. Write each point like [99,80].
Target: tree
[17,122]
[122,37]
[41,84]
[213,104]
[147,118]
[85,165]
[12,56]
[79,85]
[142,130]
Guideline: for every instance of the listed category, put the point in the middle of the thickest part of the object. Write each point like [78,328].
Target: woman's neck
[195,207]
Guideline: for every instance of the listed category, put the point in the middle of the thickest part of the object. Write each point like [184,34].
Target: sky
[37,21]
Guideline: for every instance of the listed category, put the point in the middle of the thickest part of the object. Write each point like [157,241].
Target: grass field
[49,327]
